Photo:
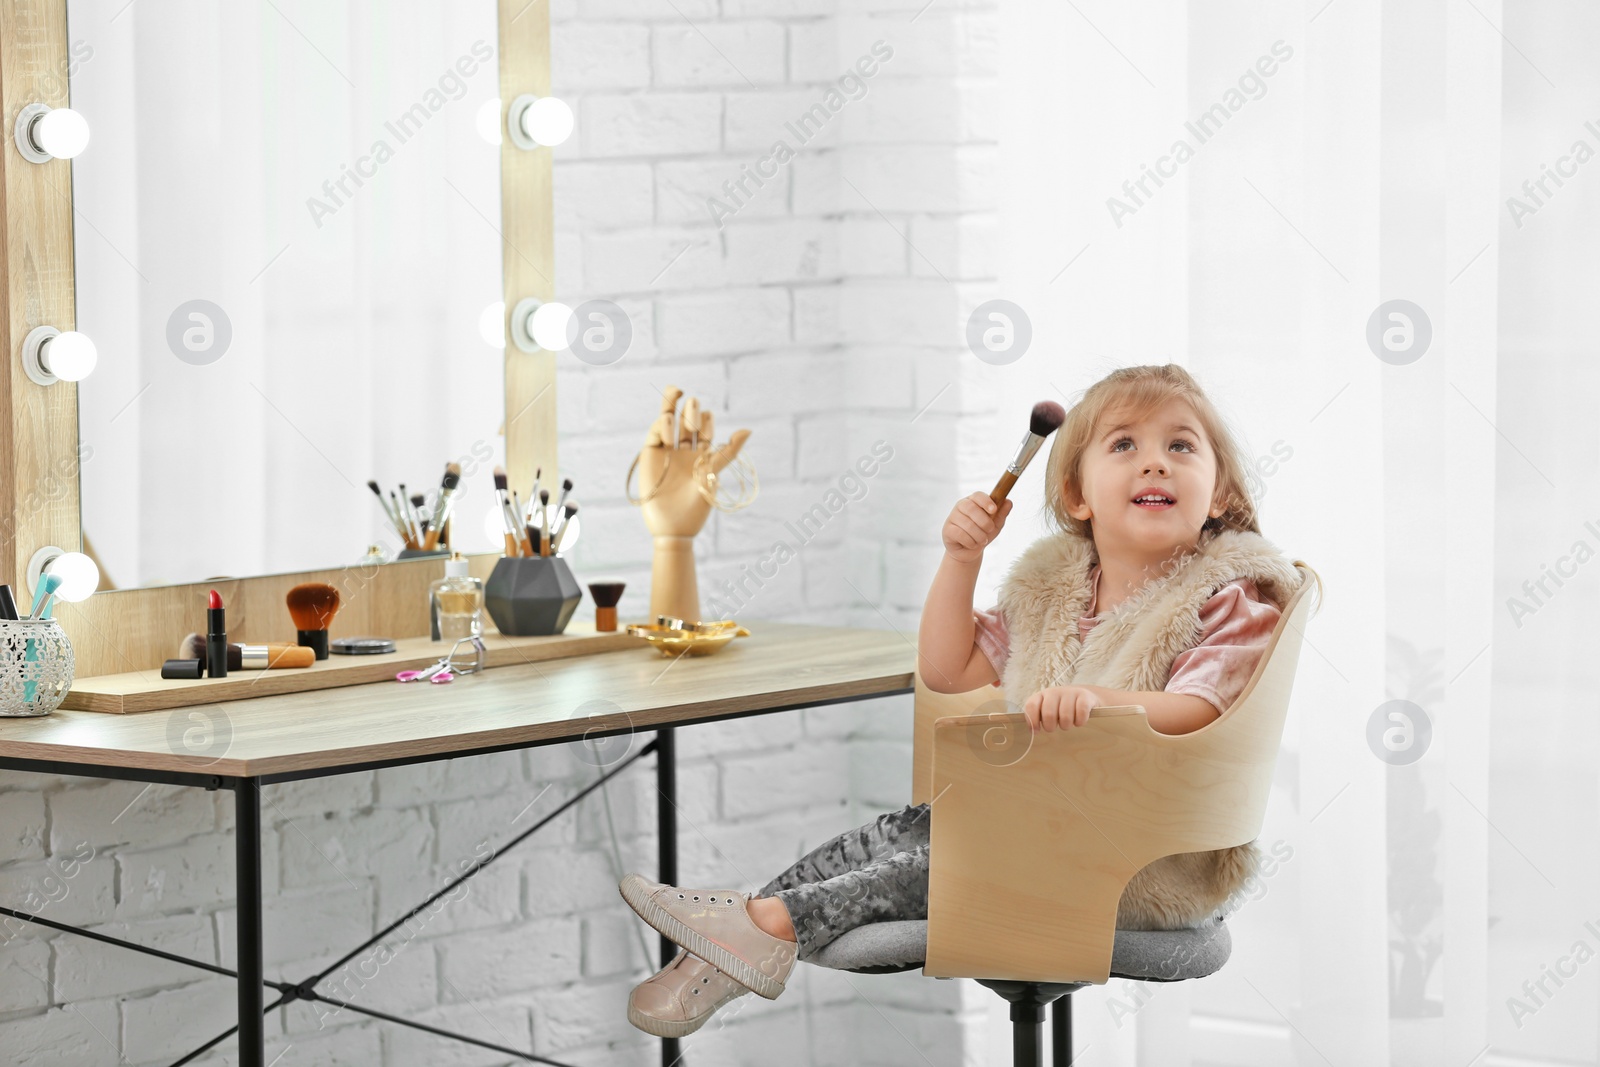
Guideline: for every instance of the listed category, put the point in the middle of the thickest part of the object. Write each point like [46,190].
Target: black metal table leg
[667,845]
[247,864]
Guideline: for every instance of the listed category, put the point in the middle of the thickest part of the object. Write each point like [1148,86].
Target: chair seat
[1143,955]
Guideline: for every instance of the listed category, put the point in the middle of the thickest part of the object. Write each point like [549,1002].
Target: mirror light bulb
[549,326]
[78,573]
[547,121]
[492,324]
[62,132]
[488,121]
[70,356]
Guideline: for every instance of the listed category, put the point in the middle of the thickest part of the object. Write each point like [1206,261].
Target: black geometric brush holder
[531,596]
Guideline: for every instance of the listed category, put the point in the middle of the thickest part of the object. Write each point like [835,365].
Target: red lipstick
[216,637]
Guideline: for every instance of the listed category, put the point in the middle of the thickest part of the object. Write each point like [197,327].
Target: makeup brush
[519,523]
[406,529]
[47,585]
[313,605]
[566,488]
[418,506]
[533,494]
[562,515]
[1047,417]
[508,527]
[249,657]
[544,522]
[441,506]
[394,520]
[605,596]
[571,510]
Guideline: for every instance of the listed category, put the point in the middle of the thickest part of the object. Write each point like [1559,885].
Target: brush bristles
[1046,419]
[452,476]
[500,479]
[606,594]
[313,605]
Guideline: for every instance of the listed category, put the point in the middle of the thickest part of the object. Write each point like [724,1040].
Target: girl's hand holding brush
[974,522]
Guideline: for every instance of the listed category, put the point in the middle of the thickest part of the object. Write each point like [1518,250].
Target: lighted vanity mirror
[286,230]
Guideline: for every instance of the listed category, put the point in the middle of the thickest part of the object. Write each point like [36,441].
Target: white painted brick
[783,382]
[342,850]
[745,856]
[169,1024]
[770,448]
[718,53]
[886,718]
[749,1029]
[923,111]
[634,803]
[880,772]
[22,826]
[75,888]
[743,9]
[800,515]
[834,722]
[587,55]
[341,1046]
[814,51]
[533,954]
[901,313]
[639,260]
[817,189]
[631,397]
[469,829]
[506,1024]
[782,251]
[303,925]
[883,379]
[614,536]
[816,314]
[647,125]
[603,195]
[454,779]
[824,450]
[753,122]
[32,782]
[193,874]
[570,277]
[712,740]
[734,588]
[696,325]
[763,784]
[79,1033]
[611,946]
[560,881]
[908,581]
[828,583]
[953,382]
[645,10]
[901,178]
[942,43]
[86,969]
[337,793]
[25,973]
[492,897]
[589,1013]
[684,187]
[869,246]
[397,976]
[119,812]
[963,246]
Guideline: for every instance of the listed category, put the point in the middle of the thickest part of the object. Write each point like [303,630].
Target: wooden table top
[779,666]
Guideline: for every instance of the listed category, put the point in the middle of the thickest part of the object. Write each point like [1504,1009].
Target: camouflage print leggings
[874,873]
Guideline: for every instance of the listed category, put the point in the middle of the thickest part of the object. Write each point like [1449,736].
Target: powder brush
[313,605]
[1046,418]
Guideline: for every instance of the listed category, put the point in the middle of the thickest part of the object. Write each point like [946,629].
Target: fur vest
[1043,595]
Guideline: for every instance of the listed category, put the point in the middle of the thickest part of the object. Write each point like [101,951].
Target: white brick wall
[825,315]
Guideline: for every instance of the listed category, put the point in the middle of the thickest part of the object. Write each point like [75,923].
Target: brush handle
[1002,488]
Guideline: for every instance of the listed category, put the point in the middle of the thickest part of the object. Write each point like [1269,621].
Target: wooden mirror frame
[136,629]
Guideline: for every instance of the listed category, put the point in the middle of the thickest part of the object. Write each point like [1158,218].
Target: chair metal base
[1028,1001]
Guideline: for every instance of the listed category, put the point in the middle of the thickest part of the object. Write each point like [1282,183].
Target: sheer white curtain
[1373,164]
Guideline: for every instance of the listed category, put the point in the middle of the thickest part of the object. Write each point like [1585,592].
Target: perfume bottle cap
[456,566]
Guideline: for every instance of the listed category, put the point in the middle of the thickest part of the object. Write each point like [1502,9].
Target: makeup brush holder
[36,667]
[531,596]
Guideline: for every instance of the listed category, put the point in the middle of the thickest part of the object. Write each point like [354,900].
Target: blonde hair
[1138,391]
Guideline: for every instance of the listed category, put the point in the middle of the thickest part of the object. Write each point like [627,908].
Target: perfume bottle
[455,602]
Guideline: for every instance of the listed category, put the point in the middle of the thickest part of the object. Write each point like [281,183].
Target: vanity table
[624,693]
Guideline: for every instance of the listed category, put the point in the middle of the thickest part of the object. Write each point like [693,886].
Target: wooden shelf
[136,691]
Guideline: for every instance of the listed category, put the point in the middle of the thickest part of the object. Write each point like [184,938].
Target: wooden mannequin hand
[673,505]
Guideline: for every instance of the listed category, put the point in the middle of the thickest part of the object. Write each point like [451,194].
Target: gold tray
[674,637]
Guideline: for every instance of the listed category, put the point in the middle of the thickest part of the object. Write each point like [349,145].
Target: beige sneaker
[678,999]
[716,926]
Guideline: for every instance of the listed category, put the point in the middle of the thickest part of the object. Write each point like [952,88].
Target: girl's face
[1167,455]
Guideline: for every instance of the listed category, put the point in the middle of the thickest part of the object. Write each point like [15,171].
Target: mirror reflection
[286,235]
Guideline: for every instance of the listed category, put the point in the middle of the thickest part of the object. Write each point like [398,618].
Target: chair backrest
[1080,811]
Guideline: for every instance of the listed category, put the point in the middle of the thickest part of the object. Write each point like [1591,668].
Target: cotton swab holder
[36,667]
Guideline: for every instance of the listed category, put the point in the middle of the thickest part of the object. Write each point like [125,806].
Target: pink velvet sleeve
[993,639]
[1236,624]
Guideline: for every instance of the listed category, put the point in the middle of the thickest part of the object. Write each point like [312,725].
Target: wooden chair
[1034,838]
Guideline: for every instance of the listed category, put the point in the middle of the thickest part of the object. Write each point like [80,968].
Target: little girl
[1156,589]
